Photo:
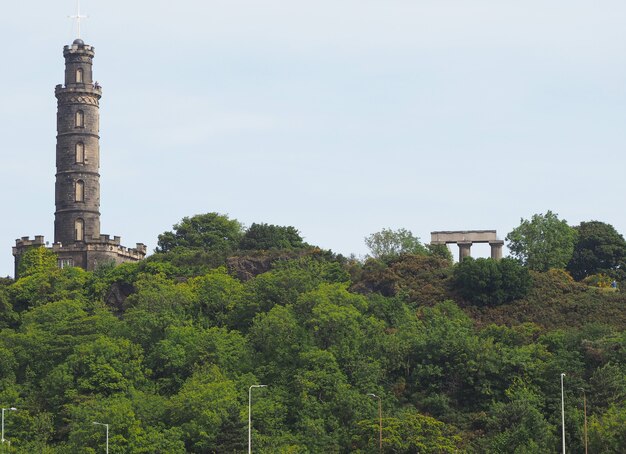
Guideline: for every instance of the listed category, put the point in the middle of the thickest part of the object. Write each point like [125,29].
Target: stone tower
[77,237]
[77,187]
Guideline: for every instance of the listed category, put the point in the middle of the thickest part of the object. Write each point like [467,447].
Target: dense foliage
[543,242]
[599,248]
[464,358]
[491,282]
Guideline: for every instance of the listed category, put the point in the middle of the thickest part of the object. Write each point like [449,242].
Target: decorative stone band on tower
[465,239]
[77,237]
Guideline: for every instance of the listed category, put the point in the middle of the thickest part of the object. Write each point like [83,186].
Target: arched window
[79,76]
[80,191]
[79,229]
[80,153]
[80,119]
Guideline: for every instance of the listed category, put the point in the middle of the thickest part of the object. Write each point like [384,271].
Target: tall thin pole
[78,17]
[3,410]
[250,415]
[107,439]
[380,420]
[585,412]
[563,411]
[380,424]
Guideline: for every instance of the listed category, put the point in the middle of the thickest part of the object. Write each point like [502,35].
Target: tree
[231,437]
[542,243]
[517,426]
[201,407]
[607,432]
[409,432]
[389,243]
[491,282]
[599,248]
[268,236]
[209,232]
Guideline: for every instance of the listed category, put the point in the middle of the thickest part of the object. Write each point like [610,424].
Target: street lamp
[250,415]
[107,427]
[380,420]
[585,411]
[563,411]
[3,410]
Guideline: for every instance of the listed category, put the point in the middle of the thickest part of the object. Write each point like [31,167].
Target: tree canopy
[268,236]
[209,232]
[599,248]
[389,243]
[543,242]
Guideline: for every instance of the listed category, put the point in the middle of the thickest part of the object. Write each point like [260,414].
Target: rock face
[247,267]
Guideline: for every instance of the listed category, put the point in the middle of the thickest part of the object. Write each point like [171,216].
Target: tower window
[80,119]
[79,76]
[80,153]
[80,191]
[79,229]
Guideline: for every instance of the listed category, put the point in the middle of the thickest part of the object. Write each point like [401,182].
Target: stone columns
[496,249]
[464,249]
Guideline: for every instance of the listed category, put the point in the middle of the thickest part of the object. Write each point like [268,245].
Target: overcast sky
[338,117]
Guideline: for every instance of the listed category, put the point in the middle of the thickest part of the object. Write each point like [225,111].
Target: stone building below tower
[77,237]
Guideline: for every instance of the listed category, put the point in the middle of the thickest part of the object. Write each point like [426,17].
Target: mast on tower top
[78,18]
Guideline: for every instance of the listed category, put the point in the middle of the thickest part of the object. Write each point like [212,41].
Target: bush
[487,282]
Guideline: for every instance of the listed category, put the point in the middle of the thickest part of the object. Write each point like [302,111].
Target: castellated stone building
[77,237]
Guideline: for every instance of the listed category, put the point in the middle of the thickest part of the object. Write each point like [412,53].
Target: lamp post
[585,412]
[250,415]
[107,427]
[563,411]
[3,410]
[380,420]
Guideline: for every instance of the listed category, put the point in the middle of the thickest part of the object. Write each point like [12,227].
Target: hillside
[165,351]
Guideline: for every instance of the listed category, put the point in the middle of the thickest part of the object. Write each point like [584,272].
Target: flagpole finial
[78,18]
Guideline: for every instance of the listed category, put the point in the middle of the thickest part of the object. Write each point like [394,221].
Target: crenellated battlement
[87,255]
[78,48]
[105,245]
[25,242]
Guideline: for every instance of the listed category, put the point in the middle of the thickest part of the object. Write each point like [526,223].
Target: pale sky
[338,117]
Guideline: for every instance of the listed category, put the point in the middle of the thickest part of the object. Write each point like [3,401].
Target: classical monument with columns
[465,239]
[77,237]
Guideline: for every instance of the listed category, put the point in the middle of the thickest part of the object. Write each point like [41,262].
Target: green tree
[599,248]
[407,433]
[491,282]
[209,232]
[231,437]
[158,304]
[517,425]
[607,432]
[104,367]
[126,432]
[202,406]
[185,348]
[543,242]
[214,295]
[268,236]
[389,243]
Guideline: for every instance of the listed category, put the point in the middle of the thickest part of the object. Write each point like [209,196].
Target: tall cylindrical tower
[77,187]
